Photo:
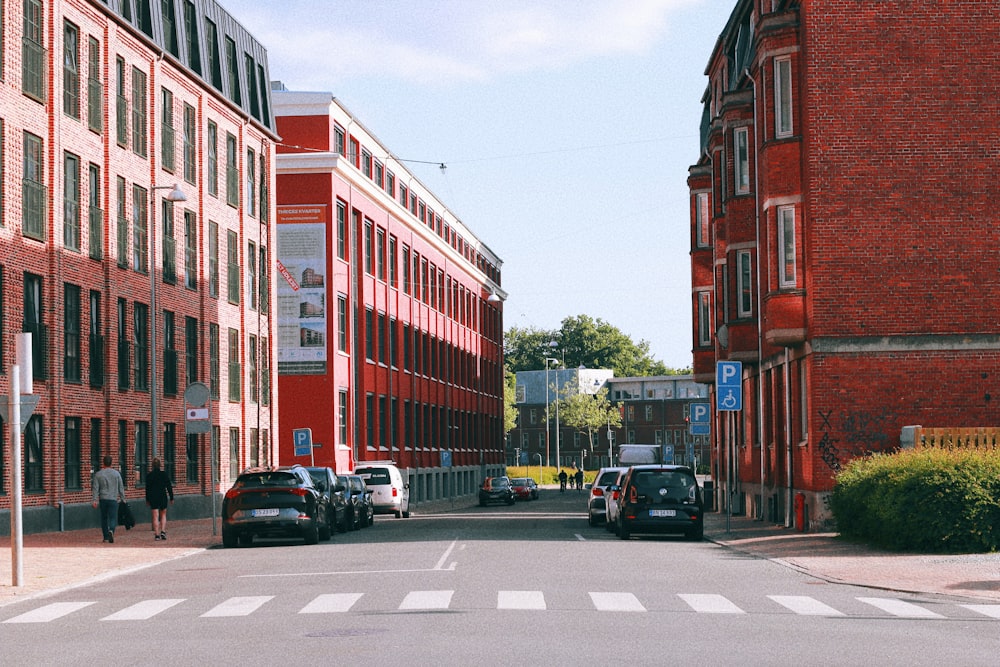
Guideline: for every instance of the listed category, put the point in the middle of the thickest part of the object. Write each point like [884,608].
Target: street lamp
[556,361]
[175,195]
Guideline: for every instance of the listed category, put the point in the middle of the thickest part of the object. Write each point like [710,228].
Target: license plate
[662,512]
[270,511]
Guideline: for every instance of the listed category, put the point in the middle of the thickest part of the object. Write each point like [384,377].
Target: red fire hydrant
[800,511]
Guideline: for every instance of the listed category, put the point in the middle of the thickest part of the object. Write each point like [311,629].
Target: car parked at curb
[274,502]
[661,499]
[496,490]
[597,506]
[358,500]
[390,490]
[611,496]
[330,485]
[525,488]
[367,504]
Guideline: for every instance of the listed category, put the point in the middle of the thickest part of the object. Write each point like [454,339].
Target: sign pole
[16,534]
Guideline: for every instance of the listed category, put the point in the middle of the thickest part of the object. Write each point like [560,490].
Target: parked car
[331,486]
[496,490]
[367,504]
[390,492]
[274,502]
[596,504]
[525,488]
[660,499]
[358,499]
[611,496]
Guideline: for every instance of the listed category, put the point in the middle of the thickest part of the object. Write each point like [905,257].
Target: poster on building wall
[301,290]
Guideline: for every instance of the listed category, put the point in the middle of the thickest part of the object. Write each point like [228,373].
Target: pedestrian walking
[108,489]
[159,494]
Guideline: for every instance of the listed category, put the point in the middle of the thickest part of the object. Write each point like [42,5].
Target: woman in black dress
[159,493]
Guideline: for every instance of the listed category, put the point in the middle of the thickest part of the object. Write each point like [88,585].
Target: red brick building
[107,107]
[844,233]
[390,319]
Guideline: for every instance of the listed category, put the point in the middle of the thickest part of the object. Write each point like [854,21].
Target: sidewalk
[54,561]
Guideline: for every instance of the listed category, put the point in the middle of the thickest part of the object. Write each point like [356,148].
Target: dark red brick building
[844,235]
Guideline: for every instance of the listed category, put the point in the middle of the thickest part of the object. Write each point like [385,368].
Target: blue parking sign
[302,437]
[728,386]
[701,419]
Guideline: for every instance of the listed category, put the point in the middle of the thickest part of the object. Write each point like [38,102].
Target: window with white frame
[744,284]
[783,97]
[704,318]
[786,246]
[702,220]
[741,160]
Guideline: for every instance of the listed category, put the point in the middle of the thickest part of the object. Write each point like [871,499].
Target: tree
[509,402]
[587,413]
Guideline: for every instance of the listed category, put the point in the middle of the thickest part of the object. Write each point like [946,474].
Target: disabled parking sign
[729,386]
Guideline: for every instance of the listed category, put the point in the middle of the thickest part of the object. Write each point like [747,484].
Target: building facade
[653,410]
[390,316]
[842,228]
[136,236]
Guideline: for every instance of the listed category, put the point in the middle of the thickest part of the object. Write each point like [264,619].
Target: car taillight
[300,492]
[598,492]
[394,492]
[614,495]
[633,496]
[232,493]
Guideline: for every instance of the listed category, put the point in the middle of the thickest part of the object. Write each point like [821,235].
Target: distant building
[654,410]
[843,236]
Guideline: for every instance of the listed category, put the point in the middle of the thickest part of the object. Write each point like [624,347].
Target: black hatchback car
[496,490]
[274,502]
[661,499]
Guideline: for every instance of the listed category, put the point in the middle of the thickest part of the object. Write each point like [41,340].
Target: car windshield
[267,479]
[664,483]
[500,483]
[608,478]
[375,475]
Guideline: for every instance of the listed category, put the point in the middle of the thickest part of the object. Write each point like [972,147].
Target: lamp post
[556,361]
[175,195]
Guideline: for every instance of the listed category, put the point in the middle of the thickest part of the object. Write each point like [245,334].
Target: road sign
[701,419]
[302,437]
[197,409]
[668,454]
[728,386]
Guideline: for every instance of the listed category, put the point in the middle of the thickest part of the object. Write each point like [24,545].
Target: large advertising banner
[302,309]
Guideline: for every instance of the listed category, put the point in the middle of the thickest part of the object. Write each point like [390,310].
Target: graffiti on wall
[853,434]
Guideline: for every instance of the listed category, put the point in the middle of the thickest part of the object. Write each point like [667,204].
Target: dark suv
[660,499]
[274,502]
[331,486]
[496,490]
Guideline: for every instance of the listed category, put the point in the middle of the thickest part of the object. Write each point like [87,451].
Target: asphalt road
[531,584]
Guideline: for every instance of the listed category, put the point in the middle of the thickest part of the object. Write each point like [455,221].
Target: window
[342,416]
[190,250]
[190,152]
[341,230]
[252,275]
[123,449]
[366,163]
[234,453]
[72,454]
[33,309]
[138,111]
[34,459]
[140,241]
[232,173]
[191,38]
[121,103]
[191,349]
[265,372]
[369,335]
[212,159]
[142,450]
[167,144]
[71,70]
[383,342]
[406,269]
[32,52]
[213,259]
[123,223]
[341,323]
[252,369]
[32,189]
[370,421]
[170,356]
[95,445]
[191,458]
[380,254]
[783,97]
[741,160]
[169,242]
[786,246]
[124,346]
[235,370]
[214,58]
[251,189]
[392,262]
[96,341]
[71,202]
[263,281]
[232,267]
[140,334]
[744,286]
[369,249]
[390,184]
[704,318]
[233,72]
[71,335]
[95,215]
[213,360]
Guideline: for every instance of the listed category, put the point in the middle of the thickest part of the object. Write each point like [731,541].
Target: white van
[390,492]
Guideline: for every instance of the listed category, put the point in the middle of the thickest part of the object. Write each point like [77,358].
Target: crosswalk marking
[520,600]
[805,605]
[616,602]
[238,606]
[331,602]
[415,600]
[991,610]
[710,604]
[900,608]
[142,611]
[49,612]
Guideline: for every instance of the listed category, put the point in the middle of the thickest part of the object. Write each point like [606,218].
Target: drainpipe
[760,297]
[788,439]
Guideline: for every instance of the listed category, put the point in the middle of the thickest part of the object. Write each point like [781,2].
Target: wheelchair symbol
[729,401]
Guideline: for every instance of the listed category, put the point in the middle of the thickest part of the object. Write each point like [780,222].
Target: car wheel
[623,530]
[352,522]
[399,514]
[591,520]
[326,532]
[482,503]
[245,540]
[510,502]
[342,526]
[609,526]
[311,534]
[229,539]
[697,533]
[406,512]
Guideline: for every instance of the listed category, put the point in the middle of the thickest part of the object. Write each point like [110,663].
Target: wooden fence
[957,438]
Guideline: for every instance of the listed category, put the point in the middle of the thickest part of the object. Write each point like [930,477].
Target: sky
[567,128]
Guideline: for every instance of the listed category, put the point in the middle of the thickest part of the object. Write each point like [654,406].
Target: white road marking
[900,608]
[238,606]
[805,605]
[520,600]
[426,600]
[331,602]
[49,612]
[616,602]
[141,611]
[710,604]
[444,557]
[991,610]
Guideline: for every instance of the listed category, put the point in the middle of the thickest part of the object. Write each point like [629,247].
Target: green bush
[928,500]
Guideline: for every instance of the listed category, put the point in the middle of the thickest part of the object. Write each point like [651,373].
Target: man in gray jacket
[108,488]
